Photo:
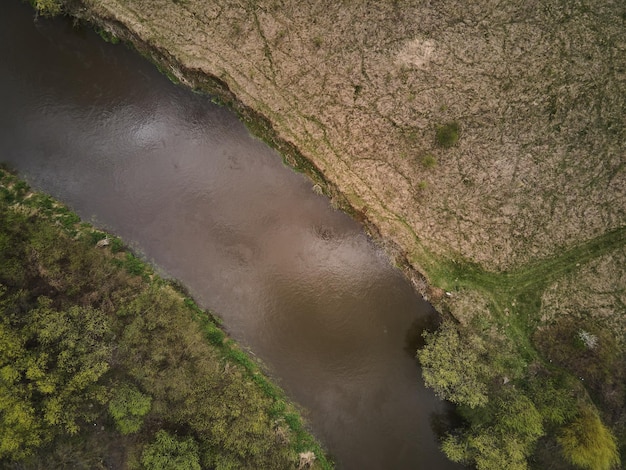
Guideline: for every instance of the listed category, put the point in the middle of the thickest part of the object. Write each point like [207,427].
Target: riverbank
[106,365]
[463,135]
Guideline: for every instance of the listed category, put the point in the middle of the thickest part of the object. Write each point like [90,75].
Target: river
[183,182]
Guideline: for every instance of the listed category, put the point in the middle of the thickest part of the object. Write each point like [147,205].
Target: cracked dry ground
[538,89]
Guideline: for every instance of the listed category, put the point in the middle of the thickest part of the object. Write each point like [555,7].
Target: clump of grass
[117,245]
[448,134]
[68,220]
[107,36]
[132,265]
[428,161]
[94,236]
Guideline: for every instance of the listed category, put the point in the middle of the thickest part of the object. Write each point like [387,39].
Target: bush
[588,444]
[128,408]
[169,452]
[429,161]
[448,134]
[133,265]
[454,366]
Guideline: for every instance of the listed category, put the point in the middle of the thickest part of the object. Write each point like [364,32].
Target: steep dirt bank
[360,87]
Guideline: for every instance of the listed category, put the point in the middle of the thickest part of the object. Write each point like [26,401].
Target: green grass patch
[107,36]
[429,161]
[447,135]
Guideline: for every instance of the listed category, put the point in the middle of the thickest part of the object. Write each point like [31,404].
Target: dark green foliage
[94,236]
[603,367]
[69,220]
[133,265]
[116,245]
[448,134]
[107,36]
[215,335]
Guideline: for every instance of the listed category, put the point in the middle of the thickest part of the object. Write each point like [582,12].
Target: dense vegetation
[104,364]
[532,393]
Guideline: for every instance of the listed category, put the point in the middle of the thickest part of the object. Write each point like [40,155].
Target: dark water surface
[183,182]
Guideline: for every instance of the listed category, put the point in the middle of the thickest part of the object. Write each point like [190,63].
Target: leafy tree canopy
[588,444]
[169,452]
[454,366]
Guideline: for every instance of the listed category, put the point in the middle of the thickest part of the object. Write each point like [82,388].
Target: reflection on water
[184,183]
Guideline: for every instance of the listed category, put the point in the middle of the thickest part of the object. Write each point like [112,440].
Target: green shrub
[215,335]
[501,435]
[588,444]
[454,366]
[107,36]
[69,220]
[133,265]
[116,245]
[429,161]
[169,452]
[448,134]
[47,7]
[128,408]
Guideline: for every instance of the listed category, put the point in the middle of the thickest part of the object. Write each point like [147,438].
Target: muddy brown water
[183,182]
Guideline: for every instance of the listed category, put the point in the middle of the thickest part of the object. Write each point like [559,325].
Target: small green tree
[588,444]
[128,408]
[169,452]
[501,436]
[51,363]
[453,365]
